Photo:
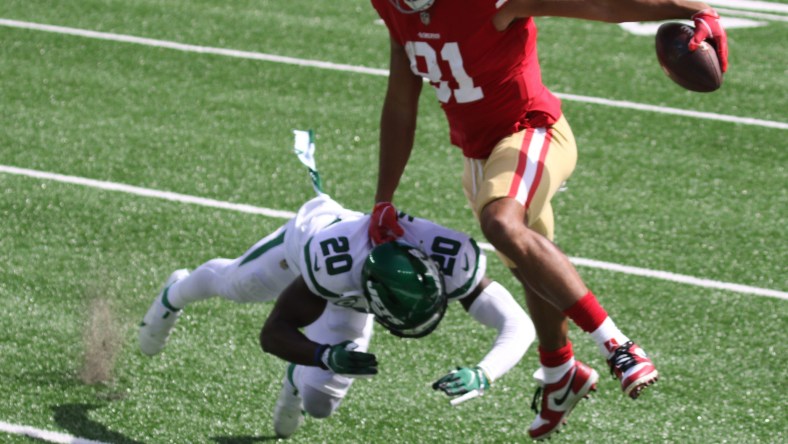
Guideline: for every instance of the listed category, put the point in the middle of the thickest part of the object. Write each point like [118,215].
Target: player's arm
[397,122]
[707,21]
[397,131]
[614,11]
[493,306]
[281,335]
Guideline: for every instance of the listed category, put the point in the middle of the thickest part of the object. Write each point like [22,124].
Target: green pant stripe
[265,247]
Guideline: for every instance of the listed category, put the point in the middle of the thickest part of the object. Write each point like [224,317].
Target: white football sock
[608,337]
[554,374]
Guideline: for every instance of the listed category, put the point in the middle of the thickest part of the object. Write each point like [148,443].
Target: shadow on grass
[74,418]
[242,439]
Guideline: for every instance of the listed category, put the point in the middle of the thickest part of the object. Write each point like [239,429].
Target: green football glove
[463,380]
[342,360]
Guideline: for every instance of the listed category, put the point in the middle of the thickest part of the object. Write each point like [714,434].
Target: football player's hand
[383,225]
[707,26]
[342,360]
[462,380]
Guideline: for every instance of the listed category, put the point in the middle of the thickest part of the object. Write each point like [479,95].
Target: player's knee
[318,404]
[499,225]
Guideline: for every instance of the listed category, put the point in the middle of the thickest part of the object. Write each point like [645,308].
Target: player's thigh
[528,166]
[558,164]
[261,273]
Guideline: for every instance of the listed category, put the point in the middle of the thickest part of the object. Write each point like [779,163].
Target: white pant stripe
[532,163]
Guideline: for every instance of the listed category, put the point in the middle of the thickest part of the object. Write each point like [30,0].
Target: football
[696,71]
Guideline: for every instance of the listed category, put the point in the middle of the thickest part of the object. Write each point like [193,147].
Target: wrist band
[484,374]
[319,356]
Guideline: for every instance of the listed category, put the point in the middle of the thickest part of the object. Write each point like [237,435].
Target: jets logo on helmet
[411,6]
[379,308]
[404,289]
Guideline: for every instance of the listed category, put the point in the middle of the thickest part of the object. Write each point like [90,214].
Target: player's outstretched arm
[613,11]
[706,19]
[397,131]
[397,122]
[493,306]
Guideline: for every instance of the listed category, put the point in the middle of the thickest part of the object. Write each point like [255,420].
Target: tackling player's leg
[257,276]
[304,393]
[160,319]
[312,391]
[288,411]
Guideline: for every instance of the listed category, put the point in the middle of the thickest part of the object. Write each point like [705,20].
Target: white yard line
[44,435]
[191,48]
[146,192]
[751,5]
[184,198]
[673,111]
[364,70]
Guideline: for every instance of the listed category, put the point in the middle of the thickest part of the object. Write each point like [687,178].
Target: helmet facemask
[411,6]
[404,290]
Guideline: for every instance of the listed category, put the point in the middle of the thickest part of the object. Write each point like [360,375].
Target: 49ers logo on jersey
[450,53]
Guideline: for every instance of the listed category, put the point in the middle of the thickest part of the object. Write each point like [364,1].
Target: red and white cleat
[633,368]
[559,398]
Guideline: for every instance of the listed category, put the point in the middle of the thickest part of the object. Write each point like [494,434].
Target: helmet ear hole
[404,289]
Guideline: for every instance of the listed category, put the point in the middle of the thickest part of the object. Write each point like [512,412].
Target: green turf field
[691,195]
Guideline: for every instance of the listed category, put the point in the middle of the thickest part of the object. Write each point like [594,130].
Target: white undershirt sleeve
[496,308]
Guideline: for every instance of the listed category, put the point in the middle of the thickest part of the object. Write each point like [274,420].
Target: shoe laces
[536,400]
[622,359]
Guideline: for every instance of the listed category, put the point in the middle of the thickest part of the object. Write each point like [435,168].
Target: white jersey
[328,245]
[333,244]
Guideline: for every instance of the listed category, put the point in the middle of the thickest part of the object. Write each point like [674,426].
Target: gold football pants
[528,166]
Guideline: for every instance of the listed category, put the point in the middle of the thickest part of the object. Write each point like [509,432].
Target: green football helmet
[404,289]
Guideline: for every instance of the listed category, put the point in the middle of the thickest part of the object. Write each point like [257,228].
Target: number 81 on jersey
[451,54]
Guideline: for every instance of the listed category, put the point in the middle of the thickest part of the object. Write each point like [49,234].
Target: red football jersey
[488,82]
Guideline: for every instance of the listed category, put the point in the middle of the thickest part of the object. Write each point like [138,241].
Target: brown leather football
[696,71]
